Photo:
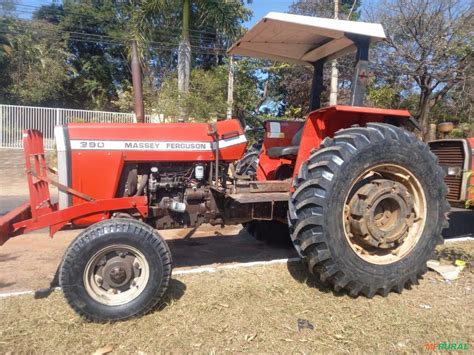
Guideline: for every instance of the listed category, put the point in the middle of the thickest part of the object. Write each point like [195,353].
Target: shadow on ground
[209,246]
[461,224]
[175,291]
[218,249]
[299,271]
[452,254]
[8,203]
[203,250]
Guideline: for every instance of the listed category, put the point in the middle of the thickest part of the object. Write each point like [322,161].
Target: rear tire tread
[311,190]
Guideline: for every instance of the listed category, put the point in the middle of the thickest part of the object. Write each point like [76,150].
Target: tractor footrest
[251,197]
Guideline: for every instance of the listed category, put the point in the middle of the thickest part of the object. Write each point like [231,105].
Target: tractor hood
[91,155]
[303,39]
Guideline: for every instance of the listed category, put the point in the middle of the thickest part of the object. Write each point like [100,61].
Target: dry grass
[256,310]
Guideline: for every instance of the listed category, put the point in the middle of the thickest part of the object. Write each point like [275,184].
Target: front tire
[115,270]
[368,210]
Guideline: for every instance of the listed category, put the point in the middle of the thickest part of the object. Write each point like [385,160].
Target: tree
[7,8]
[5,44]
[429,42]
[37,65]
[208,18]
[325,8]
[207,97]
[226,16]
[102,33]
[249,90]
[98,63]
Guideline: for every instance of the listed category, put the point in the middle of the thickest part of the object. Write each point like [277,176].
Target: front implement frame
[41,212]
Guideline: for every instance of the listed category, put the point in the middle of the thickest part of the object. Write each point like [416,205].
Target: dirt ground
[251,310]
[30,262]
[258,310]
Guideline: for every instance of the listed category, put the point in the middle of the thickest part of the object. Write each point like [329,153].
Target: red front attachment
[40,212]
[40,201]
[36,172]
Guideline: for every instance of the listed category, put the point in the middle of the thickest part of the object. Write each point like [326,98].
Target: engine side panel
[93,156]
[160,142]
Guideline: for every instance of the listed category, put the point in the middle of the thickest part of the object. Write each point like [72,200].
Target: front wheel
[368,209]
[115,270]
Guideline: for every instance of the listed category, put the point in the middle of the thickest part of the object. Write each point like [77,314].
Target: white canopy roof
[302,39]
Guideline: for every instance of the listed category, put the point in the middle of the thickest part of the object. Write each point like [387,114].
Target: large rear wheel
[368,209]
[115,270]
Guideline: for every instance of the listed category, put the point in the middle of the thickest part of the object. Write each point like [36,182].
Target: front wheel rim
[116,275]
[384,214]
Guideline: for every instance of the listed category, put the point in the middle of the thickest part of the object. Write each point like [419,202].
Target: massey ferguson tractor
[362,198]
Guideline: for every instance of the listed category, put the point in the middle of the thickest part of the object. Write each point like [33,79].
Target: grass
[257,310]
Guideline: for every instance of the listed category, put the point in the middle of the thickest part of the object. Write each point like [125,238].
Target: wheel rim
[116,274]
[384,214]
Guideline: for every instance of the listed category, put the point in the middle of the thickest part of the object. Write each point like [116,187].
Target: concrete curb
[201,270]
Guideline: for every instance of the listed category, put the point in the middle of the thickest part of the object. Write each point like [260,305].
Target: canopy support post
[317,85]
[361,72]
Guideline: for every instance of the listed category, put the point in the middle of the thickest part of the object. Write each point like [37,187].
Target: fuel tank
[91,157]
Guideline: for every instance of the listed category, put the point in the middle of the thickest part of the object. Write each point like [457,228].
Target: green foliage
[208,93]
[223,18]
[456,105]
[427,54]
[457,133]
[37,65]
[99,68]
[206,100]
[207,97]
[325,8]
[125,102]
[383,95]
[78,51]
[247,86]
[5,47]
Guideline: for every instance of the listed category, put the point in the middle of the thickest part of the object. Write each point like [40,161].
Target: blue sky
[261,7]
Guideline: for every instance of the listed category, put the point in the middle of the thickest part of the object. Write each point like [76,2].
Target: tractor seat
[291,150]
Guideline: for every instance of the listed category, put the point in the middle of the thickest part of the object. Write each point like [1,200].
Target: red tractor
[362,198]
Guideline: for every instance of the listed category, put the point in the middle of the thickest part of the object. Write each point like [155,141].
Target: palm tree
[184,51]
[224,16]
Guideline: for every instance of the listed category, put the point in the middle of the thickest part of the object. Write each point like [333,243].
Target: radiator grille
[450,155]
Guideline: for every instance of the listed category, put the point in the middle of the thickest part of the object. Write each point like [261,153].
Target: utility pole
[137,85]
[230,88]
[334,71]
